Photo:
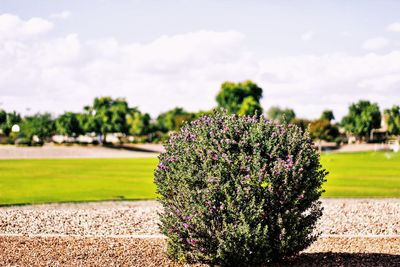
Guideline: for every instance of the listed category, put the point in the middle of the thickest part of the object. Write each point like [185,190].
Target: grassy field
[366,174]
[56,180]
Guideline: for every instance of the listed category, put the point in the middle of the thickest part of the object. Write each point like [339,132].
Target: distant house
[375,136]
[381,134]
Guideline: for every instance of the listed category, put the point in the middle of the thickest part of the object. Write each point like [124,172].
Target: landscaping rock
[341,217]
[106,251]
[356,232]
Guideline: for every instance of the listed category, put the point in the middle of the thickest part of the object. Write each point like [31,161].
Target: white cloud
[66,73]
[394,27]
[313,83]
[13,28]
[375,43]
[307,36]
[61,15]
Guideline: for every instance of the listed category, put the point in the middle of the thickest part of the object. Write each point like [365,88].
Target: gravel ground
[360,217]
[356,232]
[82,219]
[90,251]
[341,217]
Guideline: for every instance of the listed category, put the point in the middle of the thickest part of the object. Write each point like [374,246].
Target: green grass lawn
[367,174]
[56,180]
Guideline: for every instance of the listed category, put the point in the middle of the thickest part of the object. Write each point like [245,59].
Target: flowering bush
[239,190]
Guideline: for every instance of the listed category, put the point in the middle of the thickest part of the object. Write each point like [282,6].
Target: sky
[57,56]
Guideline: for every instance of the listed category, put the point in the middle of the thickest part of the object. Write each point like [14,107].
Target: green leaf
[265,184]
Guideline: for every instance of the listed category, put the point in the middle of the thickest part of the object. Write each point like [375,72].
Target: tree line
[107,115]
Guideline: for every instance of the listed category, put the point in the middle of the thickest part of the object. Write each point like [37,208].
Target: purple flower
[172,159]
[186,225]
[162,167]
[177,211]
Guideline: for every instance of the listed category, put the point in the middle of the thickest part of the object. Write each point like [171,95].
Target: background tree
[40,125]
[301,123]
[250,107]
[362,118]
[7,120]
[3,116]
[107,115]
[68,124]
[86,120]
[173,119]
[392,118]
[139,123]
[327,115]
[232,96]
[182,118]
[3,121]
[281,115]
[322,129]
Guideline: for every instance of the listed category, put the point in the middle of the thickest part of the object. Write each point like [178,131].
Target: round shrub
[239,190]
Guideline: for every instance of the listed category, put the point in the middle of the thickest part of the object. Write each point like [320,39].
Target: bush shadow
[341,259]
